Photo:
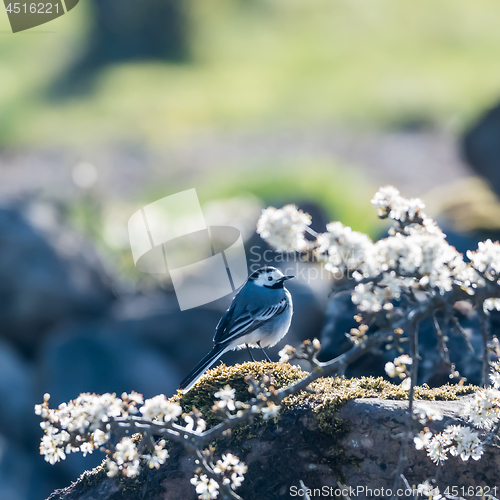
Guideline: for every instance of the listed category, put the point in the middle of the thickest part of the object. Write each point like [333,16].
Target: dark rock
[96,357]
[17,380]
[21,475]
[481,147]
[44,278]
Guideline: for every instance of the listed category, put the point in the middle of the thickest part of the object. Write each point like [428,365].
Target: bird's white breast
[269,333]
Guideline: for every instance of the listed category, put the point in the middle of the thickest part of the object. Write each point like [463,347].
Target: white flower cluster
[495,374]
[390,203]
[86,423]
[491,305]
[399,367]
[226,397]
[283,228]
[270,411]
[206,488]
[345,250]
[160,407]
[232,471]
[92,421]
[286,353]
[414,255]
[127,458]
[82,424]
[484,410]
[456,440]
[415,260]
[486,259]
[424,413]
[429,491]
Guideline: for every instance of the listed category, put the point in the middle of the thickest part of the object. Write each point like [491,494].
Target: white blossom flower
[160,407]
[429,491]
[458,441]
[226,396]
[132,469]
[286,353]
[50,448]
[126,451]
[391,204]
[99,437]
[158,456]
[367,298]
[406,384]
[236,480]
[398,367]
[232,469]
[270,411]
[345,250]
[284,228]
[425,412]
[390,369]
[206,488]
[85,448]
[201,425]
[113,468]
[227,463]
[466,443]
[384,198]
[484,410]
[486,259]
[422,440]
[437,448]
[491,305]
[495,375]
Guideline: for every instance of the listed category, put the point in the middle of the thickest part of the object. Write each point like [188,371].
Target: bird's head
[268,277]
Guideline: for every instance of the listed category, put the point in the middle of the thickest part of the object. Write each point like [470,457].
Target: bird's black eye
[269,278]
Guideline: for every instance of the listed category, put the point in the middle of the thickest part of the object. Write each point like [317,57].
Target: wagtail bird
[259,316]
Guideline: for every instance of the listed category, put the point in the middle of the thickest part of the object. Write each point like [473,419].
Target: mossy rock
[305,442]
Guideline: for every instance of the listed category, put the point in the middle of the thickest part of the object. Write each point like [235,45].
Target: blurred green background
[252,69]
[261,64]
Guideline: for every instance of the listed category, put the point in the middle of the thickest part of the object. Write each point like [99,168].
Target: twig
[485,334]
[462,332]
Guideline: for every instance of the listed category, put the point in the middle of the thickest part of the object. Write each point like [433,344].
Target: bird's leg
[250,352]
[265,353]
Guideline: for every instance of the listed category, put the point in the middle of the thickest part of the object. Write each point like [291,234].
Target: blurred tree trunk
[131,29]
[126,30]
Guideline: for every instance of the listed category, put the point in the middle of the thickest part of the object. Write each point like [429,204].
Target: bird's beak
[284,278]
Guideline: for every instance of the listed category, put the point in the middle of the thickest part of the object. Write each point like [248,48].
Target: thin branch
[462,332]
[485,334]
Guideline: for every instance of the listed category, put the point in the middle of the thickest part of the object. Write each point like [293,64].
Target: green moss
[201,396]
[329,391]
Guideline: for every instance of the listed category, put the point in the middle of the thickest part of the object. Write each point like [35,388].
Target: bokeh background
[119,103]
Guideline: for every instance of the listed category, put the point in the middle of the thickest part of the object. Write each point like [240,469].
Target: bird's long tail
[203,366]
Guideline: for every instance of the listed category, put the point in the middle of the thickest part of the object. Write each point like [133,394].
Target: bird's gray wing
[223,323]
[231,328]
